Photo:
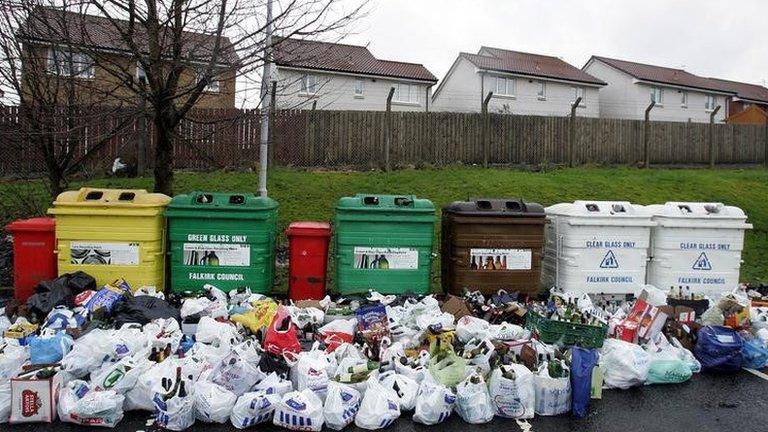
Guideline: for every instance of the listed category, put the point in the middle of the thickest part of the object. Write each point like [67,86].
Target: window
[309,84]
[406,93]
[505,86]
[579,92]
[212,85]
[140,73]
[542,92]
[71,64]
[359,87]
[684,99]
[657,95]
[710,102]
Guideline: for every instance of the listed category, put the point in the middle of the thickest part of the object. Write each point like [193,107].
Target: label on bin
[217,254]
[386,258]
[500,259]
[98,253]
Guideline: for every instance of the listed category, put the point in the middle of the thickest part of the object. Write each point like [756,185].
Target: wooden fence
[229,138]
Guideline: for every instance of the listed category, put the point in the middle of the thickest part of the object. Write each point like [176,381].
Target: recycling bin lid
[385,203]
[225,201]
[513,207]
[309,229]
[38,224]
[94,197]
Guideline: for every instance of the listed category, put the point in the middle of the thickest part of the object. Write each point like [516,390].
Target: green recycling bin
[384,243]
[223,239]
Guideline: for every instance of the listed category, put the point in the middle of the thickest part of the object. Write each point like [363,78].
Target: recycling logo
[609,261]
[702,263]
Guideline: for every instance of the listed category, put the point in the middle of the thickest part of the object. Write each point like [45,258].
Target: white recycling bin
[596,247]
[696,245]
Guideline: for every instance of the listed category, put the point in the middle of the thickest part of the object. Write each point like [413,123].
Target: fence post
[388,129]
[646,136]
[572,131]
[486,130]
[711,136]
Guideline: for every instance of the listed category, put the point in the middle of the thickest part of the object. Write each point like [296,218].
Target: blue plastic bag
[44,350]
[582,362]
[754,353]
[719,349]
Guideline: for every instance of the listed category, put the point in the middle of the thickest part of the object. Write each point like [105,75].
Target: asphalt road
[706,403]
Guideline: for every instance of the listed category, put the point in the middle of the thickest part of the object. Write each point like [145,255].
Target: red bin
[34,258]
[308,263]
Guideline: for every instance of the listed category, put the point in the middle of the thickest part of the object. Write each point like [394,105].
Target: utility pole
[572,131]
[265,105]
[388,129]
[646,136]
[141,150]
[712,136]
[486,130]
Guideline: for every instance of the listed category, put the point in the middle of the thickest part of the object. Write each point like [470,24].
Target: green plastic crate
[549,331]
[384,243]
[223,239]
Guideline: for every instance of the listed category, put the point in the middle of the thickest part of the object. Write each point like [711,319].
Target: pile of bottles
[683,293]
[567,310]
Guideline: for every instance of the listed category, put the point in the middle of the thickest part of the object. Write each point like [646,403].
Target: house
[334,76]
[521,83]
[59,44]
[745,96]
[679,95]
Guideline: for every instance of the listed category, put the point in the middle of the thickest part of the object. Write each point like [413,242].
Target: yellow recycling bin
[111,234]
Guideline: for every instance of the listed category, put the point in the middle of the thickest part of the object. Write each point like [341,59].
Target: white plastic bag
[88,352]
[121,376]
[506,331]
[311,371]
[214,332]
[341,405]
[623,364]
[236,374]
[300,411]
[141,396]
[5,400]
[553,395]
[405,388]
[686,355]
[513,398]
[274,384]
[84,406]
[481,362]
[434,402]
[379,407]
[254,408]
[213,403]
[176,413]
[469,327]
[473,402]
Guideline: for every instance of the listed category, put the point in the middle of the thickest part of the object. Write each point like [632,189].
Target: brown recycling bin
[492,244]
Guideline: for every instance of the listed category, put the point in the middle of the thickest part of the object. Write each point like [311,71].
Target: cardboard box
[456,306]
[643,322]
[34,400]
[683,314]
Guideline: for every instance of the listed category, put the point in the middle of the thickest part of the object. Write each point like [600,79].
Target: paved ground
[706,403]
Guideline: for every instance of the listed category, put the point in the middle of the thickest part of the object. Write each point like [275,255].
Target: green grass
[311,195]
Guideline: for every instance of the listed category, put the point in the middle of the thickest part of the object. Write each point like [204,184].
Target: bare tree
[165,55]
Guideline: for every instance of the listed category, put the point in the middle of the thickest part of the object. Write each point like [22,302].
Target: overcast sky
[724,39]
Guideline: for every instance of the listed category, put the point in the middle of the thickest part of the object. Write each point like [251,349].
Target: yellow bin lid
[94,199]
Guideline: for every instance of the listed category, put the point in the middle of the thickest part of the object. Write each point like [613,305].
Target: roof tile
[660,74]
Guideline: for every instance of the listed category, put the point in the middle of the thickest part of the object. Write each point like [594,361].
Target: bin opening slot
[94,195]
[712,208]
[618,208]
[484,205]
[593,208]
[205,199]
[371,200]
[684,208]
[514,206]
[403,201]
[236,199]
[126,196]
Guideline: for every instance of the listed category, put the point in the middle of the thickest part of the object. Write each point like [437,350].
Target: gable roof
[51,25]
[335,57]
[748,91]
[660,74]
[536,65]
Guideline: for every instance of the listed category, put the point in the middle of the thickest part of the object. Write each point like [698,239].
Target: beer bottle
[473,265]
[383,262]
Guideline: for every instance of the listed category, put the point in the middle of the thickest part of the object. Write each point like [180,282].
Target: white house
[679,95]
[335,76]
[521,83]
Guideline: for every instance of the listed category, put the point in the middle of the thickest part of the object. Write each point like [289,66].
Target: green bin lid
[388,203]
[222,201]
